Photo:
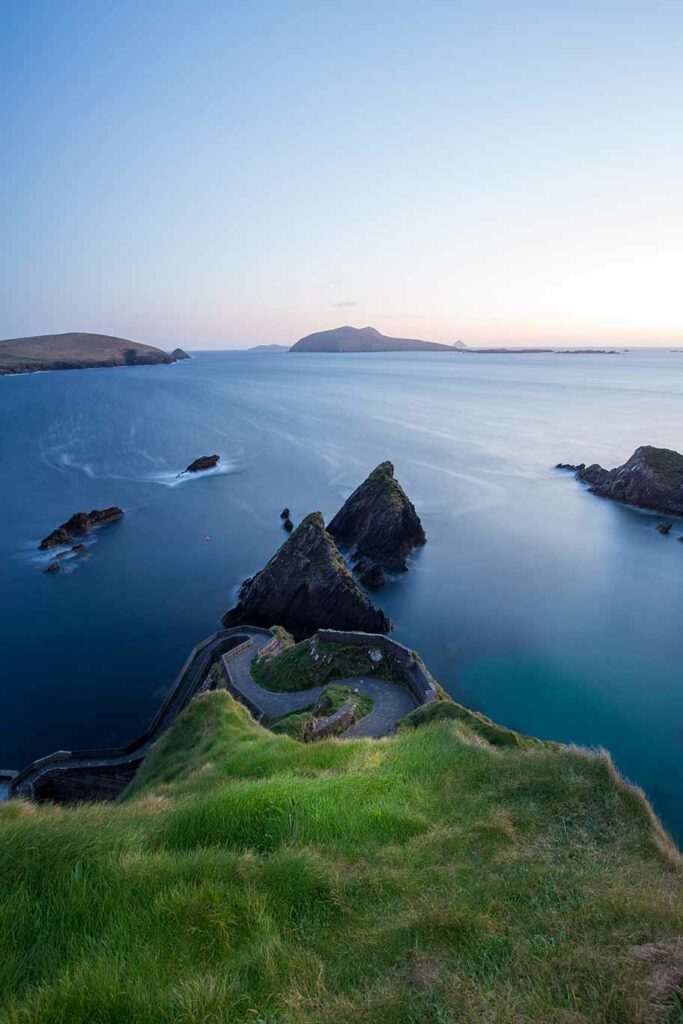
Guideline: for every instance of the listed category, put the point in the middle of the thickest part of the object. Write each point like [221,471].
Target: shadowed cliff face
[378,521]
[652,478]
[307,586]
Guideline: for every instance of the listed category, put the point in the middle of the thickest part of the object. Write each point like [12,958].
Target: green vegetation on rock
[297,723]
[313,663]
[430,877]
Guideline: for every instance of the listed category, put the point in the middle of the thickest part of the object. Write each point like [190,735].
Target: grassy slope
[71,350]
[431,877]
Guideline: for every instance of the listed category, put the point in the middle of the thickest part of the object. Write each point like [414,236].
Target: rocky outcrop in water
[179,353]
[203,463]
[307,586]
[652,478]
[78,524]
[379,522]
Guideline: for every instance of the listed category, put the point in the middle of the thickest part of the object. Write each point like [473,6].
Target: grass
[330,700]
[425,879]
[667,464]
[297,668]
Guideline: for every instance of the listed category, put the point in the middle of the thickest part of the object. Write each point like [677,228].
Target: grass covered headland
[431,877]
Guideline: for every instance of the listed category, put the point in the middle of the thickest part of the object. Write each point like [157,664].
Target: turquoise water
[555,612]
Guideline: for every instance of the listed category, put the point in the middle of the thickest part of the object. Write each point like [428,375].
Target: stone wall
[416,675]
[67,776]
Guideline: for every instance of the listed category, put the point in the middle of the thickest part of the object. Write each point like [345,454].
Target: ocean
[554,612]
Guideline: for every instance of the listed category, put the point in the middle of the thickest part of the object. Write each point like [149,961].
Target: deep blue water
[551,610]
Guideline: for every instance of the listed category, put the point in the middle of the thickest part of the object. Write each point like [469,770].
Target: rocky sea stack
[378,522]
[179,353]
[307,586]
[652,478]
[78,524]
[203,463]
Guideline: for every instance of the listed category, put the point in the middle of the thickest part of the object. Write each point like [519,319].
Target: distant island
[78,351]
[367,339]
[268,348]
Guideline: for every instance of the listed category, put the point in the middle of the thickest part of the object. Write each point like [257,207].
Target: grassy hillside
[74,352]
[432,877]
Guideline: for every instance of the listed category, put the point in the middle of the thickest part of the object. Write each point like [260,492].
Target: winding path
[391,701]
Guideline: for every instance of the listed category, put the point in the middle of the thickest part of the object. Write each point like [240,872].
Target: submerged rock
[307,586]
[379,521]
[203,463]
[664,528]
[52,568]
[652,478]
[79,523]
[284,514]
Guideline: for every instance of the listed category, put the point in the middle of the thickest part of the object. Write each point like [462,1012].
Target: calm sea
[553,611]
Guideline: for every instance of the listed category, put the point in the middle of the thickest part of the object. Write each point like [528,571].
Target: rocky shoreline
[651,479]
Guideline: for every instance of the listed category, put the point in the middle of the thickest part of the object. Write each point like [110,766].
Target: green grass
[667,464]
[433,877]
[296,669]
[445,709]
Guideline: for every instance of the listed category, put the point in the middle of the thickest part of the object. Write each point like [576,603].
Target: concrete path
[391,701]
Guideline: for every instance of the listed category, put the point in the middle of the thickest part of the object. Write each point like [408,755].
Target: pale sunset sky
[223,174]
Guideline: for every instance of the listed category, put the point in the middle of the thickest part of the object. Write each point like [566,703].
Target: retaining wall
[420,681]
[67,776]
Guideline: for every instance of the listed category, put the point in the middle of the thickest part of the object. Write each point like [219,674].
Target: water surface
[551,610]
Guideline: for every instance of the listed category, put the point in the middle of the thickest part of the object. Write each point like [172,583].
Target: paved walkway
[391,700]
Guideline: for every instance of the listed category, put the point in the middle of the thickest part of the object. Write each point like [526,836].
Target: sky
[223,174]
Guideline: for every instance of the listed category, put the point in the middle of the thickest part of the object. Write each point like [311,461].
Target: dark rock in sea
[307,586]
[79,523]
[288,525]
[78,549]
[379,521]
[52,568]
[665,528]
[203,463]
[568,465]
[372,576]
[652,478]
[284,514]
[179,353]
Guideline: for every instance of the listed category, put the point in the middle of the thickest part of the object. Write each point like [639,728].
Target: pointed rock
[307,586]
[379,521]
[652,478]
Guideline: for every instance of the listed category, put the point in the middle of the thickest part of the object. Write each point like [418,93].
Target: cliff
[77,351]
[378,521]
[306,586]
[367,339]
[652,478]
[432,876]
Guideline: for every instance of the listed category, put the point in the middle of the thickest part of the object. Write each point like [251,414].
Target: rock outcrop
[179,353]
[78,524]
[652,478]
[307,586]
[203,463]
[378,523]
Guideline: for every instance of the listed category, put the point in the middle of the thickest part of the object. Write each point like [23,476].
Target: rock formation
[203,463]
[379,522]
[307,586]
[652,478]
[79,523]
[179,353]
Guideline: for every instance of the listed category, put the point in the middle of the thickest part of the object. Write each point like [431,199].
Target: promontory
[78,351]
[307,586]
[652,478]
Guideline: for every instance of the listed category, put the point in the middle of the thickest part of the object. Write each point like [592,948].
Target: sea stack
[652,478]
[78,524]
[203,463]
[378,522]
[307,586]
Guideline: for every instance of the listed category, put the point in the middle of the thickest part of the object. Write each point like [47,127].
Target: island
[367,339]
[268,348]
[179,353]
[202,464]
[78,351]
[78,524]
[652,478]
